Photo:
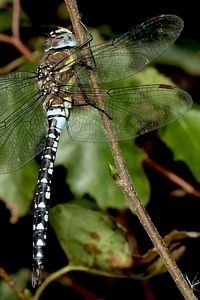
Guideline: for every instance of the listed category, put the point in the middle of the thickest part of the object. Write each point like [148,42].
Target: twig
[173,177]
[10,282]
[15,38]
[122,177]
[54,276]
[15,18]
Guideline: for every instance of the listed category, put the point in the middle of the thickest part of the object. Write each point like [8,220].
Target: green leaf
[6,19]
[93,239]
[180,56]
[90,237]
[149,75]
[183,138]
[88,163]
[89,172]
[16,190]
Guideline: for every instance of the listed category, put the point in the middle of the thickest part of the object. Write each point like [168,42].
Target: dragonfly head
[59,39]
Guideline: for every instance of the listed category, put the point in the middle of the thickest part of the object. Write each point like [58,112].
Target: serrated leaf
[183,138]
[90,237]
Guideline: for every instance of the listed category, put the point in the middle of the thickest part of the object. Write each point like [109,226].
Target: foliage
[89,170]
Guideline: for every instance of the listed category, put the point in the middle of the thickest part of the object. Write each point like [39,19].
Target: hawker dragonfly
[37,106]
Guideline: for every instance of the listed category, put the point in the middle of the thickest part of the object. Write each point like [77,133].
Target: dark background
[166,213]
[120,15]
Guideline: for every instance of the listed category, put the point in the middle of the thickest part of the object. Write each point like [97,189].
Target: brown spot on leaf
[94,235]
[92,249]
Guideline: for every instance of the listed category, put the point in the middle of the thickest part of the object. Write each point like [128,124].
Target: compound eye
[67,40]
[60,39]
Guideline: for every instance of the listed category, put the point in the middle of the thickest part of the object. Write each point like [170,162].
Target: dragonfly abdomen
[57,118]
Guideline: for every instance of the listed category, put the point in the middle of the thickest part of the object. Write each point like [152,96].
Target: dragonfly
[36,106]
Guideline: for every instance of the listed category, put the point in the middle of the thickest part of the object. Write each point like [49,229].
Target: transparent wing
[22,120]
[132,112]
[132,51]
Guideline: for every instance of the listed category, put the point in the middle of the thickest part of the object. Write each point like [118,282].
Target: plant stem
[122,177]
[14,287]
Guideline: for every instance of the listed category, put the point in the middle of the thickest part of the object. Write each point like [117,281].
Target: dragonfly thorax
[49,80]
[60,38]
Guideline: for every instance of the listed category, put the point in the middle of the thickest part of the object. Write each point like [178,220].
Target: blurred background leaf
[86,166]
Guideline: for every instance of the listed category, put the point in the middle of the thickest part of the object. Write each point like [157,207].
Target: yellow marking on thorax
[67,65]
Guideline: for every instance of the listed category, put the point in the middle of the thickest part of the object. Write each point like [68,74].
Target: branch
[10,282]
[122,177]
[15,38]
[187,187]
